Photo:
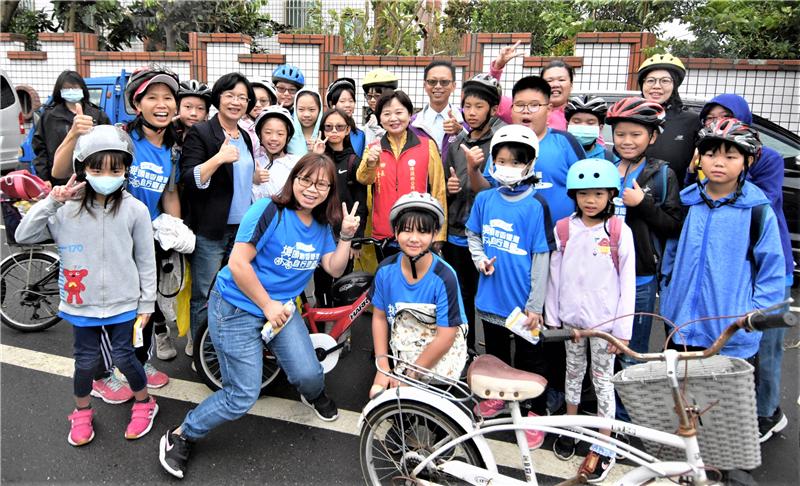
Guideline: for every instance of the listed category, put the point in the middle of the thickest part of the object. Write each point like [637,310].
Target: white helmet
[99,139]
[267,85]
[519,134]
[420,201]
[275,111]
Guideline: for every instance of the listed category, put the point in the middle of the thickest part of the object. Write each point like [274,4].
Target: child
[194,99]
[416,298]
[585,115]
[374,84]
[265,96]
[287,79]
[509,232]
[342,94]
[306,116]
[718,267]
[649,202]
[108,270]
[275,128]
[592,282]
[481,96]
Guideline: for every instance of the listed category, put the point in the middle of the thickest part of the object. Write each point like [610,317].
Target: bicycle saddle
[488,377]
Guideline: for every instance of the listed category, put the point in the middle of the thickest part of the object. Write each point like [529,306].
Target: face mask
[586,134]
[72,95]
[105,185]
[507,175]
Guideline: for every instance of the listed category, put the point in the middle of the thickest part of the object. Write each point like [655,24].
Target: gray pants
[602,372]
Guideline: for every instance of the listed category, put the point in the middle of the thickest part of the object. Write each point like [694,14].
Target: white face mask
[507,175]
[105,185]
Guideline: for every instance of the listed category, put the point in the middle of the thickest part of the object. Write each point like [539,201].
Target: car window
[96,96]
[782,148]
[7,97]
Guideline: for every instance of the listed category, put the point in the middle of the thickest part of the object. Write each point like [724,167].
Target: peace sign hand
[318,145]
[350,222]
[506,54]
[69,191]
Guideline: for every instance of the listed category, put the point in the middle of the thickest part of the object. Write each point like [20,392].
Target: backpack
[614,229]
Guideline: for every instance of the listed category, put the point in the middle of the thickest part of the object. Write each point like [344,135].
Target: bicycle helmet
[593,105]
[519,134]
[486,83]
[416,201]
[100,139]
[194,87]
[592,174]
[267,85]
[735,132]
[379,78]
[663,61]
[144,77]
[636,110]
[338,85]
[290,74]
[276,111]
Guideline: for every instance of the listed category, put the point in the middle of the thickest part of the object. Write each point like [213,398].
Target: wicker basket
[728,434]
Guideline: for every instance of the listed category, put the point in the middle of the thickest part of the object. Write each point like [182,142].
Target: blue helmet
[592,174]
[290,74]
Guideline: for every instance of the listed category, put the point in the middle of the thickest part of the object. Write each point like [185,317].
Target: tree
[29,23]
[7,10]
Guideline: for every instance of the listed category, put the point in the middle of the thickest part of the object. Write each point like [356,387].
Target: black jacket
[348,188]
[676,143]
[206,210]
[52,128]
[652,223]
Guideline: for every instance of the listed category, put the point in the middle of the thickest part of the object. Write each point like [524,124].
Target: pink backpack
[614,227]
[21,184]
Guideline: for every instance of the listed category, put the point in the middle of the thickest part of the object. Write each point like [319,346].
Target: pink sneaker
[155,378]
[535,437]
[489,408]
[142,416]
[81,431]
[111,390]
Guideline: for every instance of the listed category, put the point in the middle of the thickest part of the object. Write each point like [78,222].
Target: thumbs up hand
[81,124]
[474,157]
[228,153]
[451,125]
[632,197]
[453,183]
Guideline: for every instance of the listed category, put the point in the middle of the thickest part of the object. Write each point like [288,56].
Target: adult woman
[342,95]
[217,172]
[559,75]
[279,244]
[70,97]
[660,76]
[402,163]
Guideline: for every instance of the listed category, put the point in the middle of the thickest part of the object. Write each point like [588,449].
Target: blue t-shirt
[83,321]
[149,172]
[439,286]
[558,150]
[242,182]
[287,253]
[512,232]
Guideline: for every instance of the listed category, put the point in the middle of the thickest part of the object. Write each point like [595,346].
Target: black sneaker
[564,447]
[323,406]
[173,453]
[769,426]
[596,467]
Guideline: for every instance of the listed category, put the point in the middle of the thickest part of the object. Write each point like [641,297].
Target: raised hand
[374,154]
[228,153]
[69,191]
[506,54]
[453,183]
[633,197]
[318,145]
[260,175]
[350,221]
[486,267]
[451,125]
[81,124]
[474,157]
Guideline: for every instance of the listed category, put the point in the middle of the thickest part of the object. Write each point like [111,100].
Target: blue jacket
[766,173]
[707,271]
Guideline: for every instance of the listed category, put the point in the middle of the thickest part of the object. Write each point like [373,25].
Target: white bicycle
[426,433]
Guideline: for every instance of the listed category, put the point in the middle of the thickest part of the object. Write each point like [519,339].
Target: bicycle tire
[207,366]
[381,447]
[29,282]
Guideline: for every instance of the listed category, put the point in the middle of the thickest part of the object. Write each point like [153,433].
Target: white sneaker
[189,350]
[165,350]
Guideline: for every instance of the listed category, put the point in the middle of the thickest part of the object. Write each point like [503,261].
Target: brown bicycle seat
[488,377]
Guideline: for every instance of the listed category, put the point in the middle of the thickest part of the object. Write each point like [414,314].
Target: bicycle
[425,432]
[351,290]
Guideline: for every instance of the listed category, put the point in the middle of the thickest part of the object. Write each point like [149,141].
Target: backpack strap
[562,230]
[757,216]
[609,154]
[660,184]
[548,220]
[615,228]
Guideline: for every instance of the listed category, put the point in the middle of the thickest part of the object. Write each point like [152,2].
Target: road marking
[506,454]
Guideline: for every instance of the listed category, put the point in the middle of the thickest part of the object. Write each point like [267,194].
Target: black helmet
[142,78]
[194,87]
[586,104]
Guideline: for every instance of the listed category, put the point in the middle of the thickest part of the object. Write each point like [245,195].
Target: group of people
[492,204]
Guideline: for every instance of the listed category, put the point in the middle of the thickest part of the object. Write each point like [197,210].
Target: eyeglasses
[660,81]
[283,90]
[305,183]
[373,96]
[331,128]
[441,82]
[230,98]
[531,107]
[263,101]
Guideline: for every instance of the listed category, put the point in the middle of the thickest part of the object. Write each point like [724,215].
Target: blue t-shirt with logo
[512,231]
[287,253]
[439,286]
[242,182]
[149,173]
[558,150]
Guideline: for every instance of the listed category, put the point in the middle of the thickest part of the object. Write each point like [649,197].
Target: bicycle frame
[342,317]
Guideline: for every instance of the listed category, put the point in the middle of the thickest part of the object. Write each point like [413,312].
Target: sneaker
[81,431]
[323,406]
[165,350]
[173,453]
[111,390]
[155,378]
[142,416]
[564,447]
[535,437]
[769,426]
[489,408]
[596,467]
[189,349]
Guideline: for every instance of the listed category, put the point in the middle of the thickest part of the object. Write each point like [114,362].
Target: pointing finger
[492,260]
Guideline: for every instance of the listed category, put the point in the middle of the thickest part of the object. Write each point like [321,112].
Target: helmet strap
[413,261]
[149,125]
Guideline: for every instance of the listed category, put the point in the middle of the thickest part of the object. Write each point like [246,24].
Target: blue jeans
[642,325]
[236,335]
[206,261]
[86,351]
[770,356]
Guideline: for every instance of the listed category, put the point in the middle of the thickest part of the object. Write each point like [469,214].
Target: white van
[12,130]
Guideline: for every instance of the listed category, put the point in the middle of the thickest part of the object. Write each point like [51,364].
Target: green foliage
[30,23]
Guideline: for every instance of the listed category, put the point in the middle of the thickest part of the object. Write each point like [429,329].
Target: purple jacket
[418,127]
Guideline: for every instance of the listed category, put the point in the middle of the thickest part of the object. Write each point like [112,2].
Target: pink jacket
[584,289]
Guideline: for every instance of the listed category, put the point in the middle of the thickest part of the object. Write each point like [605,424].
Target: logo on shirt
[298,257]
[603,246]
[149,166]
[500,234]
[148,175]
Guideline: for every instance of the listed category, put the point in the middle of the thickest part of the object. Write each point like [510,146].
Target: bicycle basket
[727,432]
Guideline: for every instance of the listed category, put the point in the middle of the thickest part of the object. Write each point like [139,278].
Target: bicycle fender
[453,412]
[644,474]
[25,252]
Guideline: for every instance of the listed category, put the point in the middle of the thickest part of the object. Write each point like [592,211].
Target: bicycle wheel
[29,291]
[396,439]
[207,364]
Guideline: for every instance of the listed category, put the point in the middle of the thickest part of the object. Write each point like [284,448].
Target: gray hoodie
[108,263]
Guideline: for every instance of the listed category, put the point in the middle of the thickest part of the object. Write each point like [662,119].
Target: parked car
[107,92]
[12,127]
